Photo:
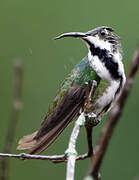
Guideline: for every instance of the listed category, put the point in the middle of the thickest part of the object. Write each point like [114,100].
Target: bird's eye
[103,33]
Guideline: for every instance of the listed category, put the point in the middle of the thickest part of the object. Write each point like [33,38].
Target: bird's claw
[90,115]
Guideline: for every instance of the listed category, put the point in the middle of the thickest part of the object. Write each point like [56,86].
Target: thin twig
[113,120]
[64,159]
[14,117]
[24,156]
[54,158]
[71,151]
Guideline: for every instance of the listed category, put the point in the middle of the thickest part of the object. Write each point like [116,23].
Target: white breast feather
[109,94]
[99,67]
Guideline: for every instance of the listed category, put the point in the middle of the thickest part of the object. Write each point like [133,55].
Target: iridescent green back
[81,73]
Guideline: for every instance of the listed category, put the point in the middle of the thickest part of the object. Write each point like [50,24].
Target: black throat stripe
[107,59]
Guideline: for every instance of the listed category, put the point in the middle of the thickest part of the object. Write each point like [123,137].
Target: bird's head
[102,37]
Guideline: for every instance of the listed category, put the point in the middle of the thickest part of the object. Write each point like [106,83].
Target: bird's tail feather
[37,146]
[51,136]
[56,122]
[27,141]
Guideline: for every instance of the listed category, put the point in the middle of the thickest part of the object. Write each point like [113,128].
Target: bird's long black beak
[72,34]
[78,34]
[81,35]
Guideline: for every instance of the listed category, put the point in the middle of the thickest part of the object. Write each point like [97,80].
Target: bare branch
[54,158]
[71,151]
[64,158]
[14,117]
[113,120]
[24,156]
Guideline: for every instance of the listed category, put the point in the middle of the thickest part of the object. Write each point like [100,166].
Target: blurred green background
[26,31]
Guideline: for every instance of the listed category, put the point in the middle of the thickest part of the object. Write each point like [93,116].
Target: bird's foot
[96,122]
[92,119]
[90,115]
[93,123]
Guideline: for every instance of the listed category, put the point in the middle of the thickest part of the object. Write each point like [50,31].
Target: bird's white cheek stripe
[99,42]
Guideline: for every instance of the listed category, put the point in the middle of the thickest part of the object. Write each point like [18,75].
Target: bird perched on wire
[102,64]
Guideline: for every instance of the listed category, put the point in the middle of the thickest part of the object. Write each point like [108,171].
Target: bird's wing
[65,107]
[56,122]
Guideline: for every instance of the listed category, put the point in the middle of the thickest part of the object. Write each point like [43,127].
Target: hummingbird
[104,65]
